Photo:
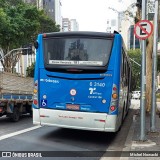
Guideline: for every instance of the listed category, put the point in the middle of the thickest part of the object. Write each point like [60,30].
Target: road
[24,136]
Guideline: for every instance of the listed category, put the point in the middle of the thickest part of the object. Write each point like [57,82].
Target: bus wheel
[15,115]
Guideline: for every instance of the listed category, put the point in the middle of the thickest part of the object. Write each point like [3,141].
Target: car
[136,94]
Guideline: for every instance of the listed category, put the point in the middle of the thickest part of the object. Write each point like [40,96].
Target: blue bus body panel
[91,89]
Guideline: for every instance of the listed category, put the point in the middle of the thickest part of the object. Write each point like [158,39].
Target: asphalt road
[24,136]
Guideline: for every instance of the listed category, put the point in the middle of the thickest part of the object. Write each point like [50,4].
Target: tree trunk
[10,61]
[149,51]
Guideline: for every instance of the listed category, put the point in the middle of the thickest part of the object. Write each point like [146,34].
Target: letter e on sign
[143,29]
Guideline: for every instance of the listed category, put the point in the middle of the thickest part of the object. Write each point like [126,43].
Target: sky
[92,15]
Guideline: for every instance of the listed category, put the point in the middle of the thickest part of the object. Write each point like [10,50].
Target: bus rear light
[114,99]
[112,108]
[36,84]
[35,102]
[114,96]
[35,91]
[44,35]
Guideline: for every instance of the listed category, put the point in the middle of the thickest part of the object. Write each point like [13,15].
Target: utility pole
[143,82]
[154,70]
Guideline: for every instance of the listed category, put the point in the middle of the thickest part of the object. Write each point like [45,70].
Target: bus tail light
[114,99]
[112,108]
[35,91]
[35,94]
[35,102]
[114,96]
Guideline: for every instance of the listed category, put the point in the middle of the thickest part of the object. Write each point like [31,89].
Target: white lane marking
[18,132]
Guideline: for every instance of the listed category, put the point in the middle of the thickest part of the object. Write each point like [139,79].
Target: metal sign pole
[154,69]
[143,81]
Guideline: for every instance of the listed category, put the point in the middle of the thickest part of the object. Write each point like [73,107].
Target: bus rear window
[77,51]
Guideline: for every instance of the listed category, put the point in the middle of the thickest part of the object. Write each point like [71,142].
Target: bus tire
[14,117]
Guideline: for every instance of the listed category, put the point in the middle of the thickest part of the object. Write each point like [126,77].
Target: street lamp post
[17,49]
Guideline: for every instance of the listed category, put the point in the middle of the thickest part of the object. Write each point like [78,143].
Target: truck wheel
[15,115]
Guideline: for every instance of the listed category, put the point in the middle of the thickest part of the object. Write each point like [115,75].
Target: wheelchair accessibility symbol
[43,102]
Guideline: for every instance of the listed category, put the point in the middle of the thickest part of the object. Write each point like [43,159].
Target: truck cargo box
[15,95]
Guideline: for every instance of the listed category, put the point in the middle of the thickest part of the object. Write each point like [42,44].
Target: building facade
[123,21]
[66,24]
[112,25]
[69,25]
[24,62]
[133,42]
[74,25]
[52,8]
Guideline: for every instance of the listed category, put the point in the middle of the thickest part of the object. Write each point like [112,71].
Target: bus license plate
[72,106]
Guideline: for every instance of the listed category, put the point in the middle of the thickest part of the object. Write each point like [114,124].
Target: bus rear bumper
[76,120]
[36,118]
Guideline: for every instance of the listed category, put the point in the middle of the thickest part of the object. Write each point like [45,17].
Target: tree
[149,50]
[20,24]
[51,25]
[136,56]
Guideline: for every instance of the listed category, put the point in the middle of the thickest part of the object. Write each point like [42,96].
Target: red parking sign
[143,29]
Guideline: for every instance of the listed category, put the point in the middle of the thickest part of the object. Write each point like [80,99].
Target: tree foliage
[135,55]
[20,24]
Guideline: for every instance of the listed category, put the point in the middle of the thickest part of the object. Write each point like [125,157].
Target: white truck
[15,95]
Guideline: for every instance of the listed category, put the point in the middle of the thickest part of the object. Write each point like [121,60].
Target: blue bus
[82,81]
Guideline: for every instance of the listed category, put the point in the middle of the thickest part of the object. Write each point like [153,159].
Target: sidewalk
[146,150]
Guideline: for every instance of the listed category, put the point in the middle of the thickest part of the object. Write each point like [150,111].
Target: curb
[128,143]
